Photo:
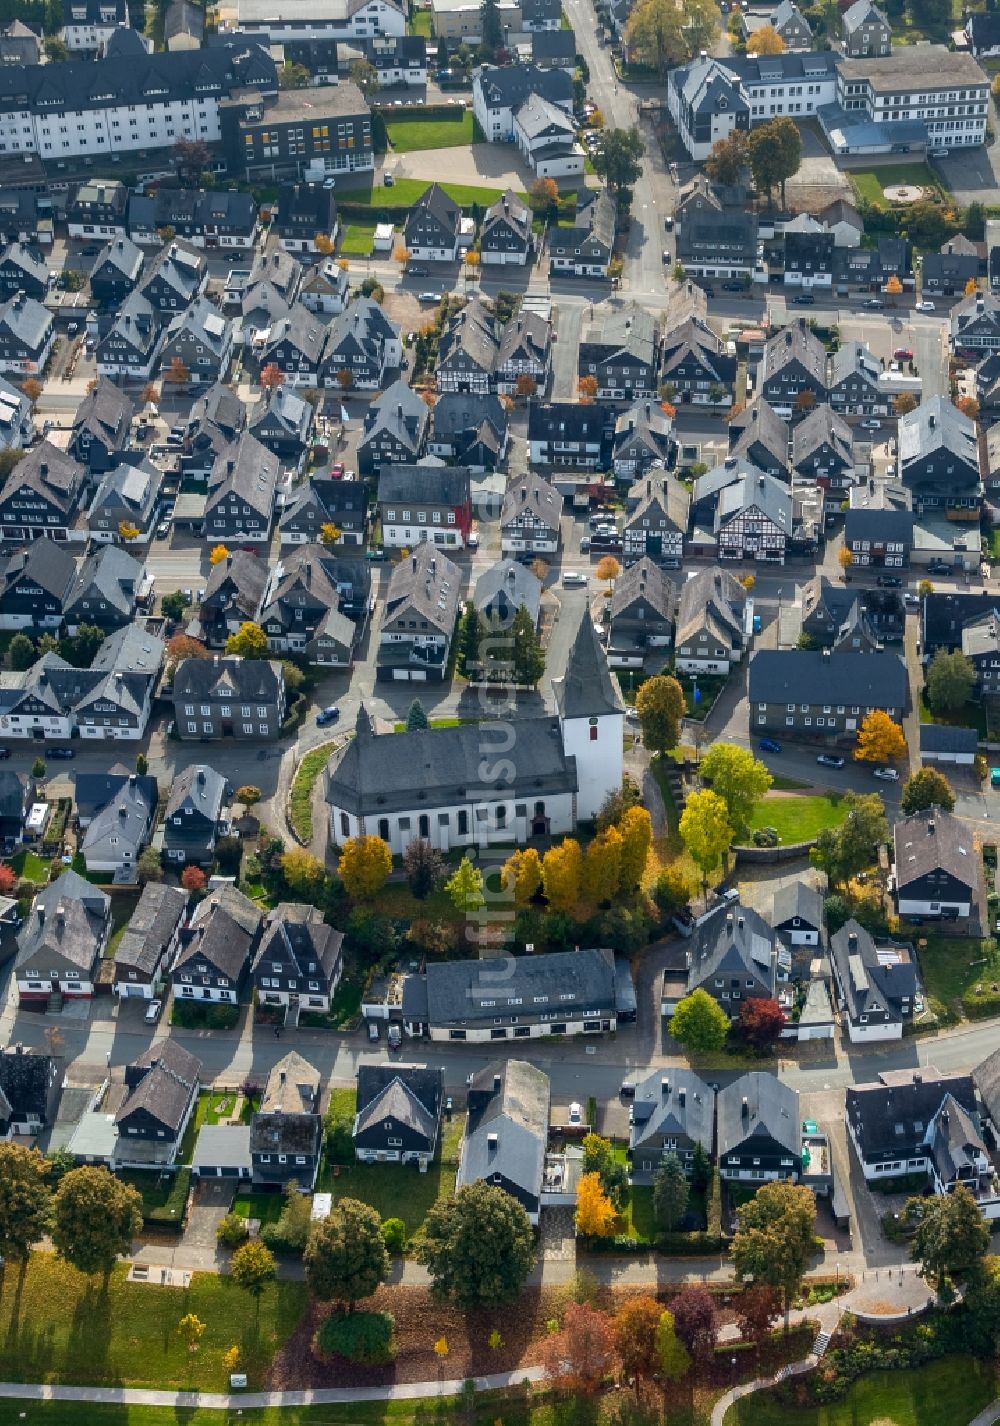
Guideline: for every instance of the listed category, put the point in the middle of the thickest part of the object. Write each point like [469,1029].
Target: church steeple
[588,688]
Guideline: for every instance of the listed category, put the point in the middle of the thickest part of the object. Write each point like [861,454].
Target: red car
[337,470]
[903,354]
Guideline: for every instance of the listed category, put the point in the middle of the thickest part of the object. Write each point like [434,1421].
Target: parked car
[768,745]
[925,306]
[804,299]
[327,715]
[887,774]
[668,223]
[153,1012]
[4,754]
[576,1112]
[395,1037]
[871,424]
[903,354]
[830,760]
[874,303]
[585,544]
[60,754]
[733,287]
[889,581]
[431,297]
[758,623]
[573,579]
[163,529]
[373,1030]
[939,567]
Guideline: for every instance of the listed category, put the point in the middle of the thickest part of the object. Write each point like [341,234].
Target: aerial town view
[500,712]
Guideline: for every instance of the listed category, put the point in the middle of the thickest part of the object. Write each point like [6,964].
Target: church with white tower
[497,782]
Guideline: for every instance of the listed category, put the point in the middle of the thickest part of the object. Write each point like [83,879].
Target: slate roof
[735,942]
[68,917]
[225,924]
[427,583]
[708,597]
[106,412]
[530,493]
[587,688]
[945,738]
[770,495]
[183,18]
[796,342]
[373,775]
[508,1126]
[891,526]
[854,359]
[48,472]
[12,790]
[936,425]
[467,992]
[566,421]
[200,786]
[25,1082]
[822,425]
[399,412]
[240,580]
[132,487]
[150,927]
[305,939]
[760,422]
[510,209]
[674,1103]
[933,840]
[876,680]
[43,562]
[987,1080]
[110,573]
[859,14]
[797,899]
[899,1109]
[425,484]
[169,1077]
[643,580]
[437,203]
[772,1109]
[253,680]
[520,584]
[510,86]
[866,981]
[123,824]
[473,333]
[410,1094]
[460,413]
[292,1087]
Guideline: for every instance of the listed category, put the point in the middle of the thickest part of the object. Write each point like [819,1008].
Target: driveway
[211,1200]
[973,175]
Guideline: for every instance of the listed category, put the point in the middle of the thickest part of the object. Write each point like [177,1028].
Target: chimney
[682,1097]
[664,1087]
[492,1143]
[745,1107]
[41,915]
[123,812]
[932,420]
[741,923]
[852,940]
[931,828]
[61,913]
[497,1082]
[201,777]
[399,411]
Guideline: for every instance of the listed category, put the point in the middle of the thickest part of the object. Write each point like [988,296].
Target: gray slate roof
[411,1094]
[588,688]
[508,1129]
[930,841]
[876,680]
[570,982]
[675,1103]
[772,1109]
[169,1076]
[151,926]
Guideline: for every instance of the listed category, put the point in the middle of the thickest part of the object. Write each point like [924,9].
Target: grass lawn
[799,819]
[950,1390]
[638,1214]
[357,240]
[787,784]
[396,1190]
[422,23]
[973,715]
[164,1196]
[438,723]
[62,1327]
[871,183]
[405,192]
[300,799]
[951,967]
[266,1207]
[410,135]
[31,866]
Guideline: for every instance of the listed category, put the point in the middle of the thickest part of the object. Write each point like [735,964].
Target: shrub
[232,1231]
[766,837]
[359,1337]
[394,1234]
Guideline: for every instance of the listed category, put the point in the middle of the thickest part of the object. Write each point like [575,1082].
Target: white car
[572,579]
[872,424]
[925,306]
[153,1011]
[887,774]
[576,1113]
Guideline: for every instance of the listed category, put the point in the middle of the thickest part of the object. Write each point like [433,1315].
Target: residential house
[43,496]
[565,433]
[469,430]
[399,1113]
[175,277]
[241,490]
[17,426]
[321,500]
[286,1133]
[673,1113]
[877,986]
[506,237]
[418,621]
[712,623]
[194,817]
[546,136]
[146,950]
[30,1086]
[855,382]
[525,350]
[88,25]
[61,942]
[823,453]
[794,361]
[317,605]
[865,31]
[25,216]
[755,519]
[215,956]
[622,355]
[759,1129]
[657,522]
[975,322]
[300,959]
[799,691]
[950,270]
[788,22]
[503,589]
[19,44]
[935,865]
[283,422]
[363,341]
[758,434]
[34,584]
[983,35]
[809,260]
[27,332]
[736,957]
[698,367]
[161,1093]
[981,646]
[425,502]
[939,459]
[222,218]
[878,527]
[296,344]
[104,591]
[467,351]
[197,346]
[837,617]
[945,744]
[914,1122]
[644,438]
[129,347]
[183,25]
[228,698]
[118,831]
[127,497]
[97,209]
[844,221]
[234,595]
[586,249]
[215,421]
[716,231]
[23,269]
[506,1135]
[500,92]
[395,429]
[797,913]
[326,289]
[553,49]
[16,796]
[432,229]
[304,211]
[641,614]
[102,427]
[530,518]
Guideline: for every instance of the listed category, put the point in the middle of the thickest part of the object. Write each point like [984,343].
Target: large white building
[319,19]
[920,96]
[481,784]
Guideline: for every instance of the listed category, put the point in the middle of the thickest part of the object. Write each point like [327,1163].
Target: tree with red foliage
[757,1309]
[193,879]
[761,1023]
[694,1320]
[580,1356]
[8,879]
[271,377]
[182,646]
[635,1325]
